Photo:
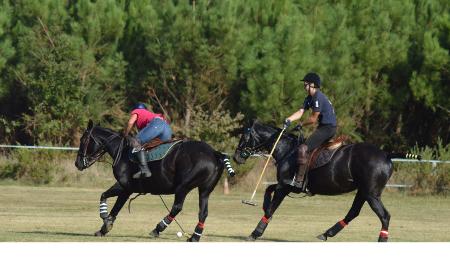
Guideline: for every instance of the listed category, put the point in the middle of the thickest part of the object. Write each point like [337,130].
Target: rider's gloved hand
[286,123]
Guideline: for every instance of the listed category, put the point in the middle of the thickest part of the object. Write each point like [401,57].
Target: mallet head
[249,202]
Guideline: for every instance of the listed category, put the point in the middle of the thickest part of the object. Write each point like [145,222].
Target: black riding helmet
[139,106]
[312,77]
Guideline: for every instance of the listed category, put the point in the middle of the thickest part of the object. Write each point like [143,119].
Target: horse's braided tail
[225,159]
[405,155]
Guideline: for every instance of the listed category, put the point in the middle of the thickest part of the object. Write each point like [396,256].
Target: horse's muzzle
[238,158]
[80,164]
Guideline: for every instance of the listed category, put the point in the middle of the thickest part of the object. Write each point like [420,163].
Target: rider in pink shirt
[144,117]
[150,125]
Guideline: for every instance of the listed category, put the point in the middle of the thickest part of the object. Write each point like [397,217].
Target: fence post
[226,189]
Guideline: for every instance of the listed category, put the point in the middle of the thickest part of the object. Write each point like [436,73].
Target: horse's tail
[225,159]
[404,155]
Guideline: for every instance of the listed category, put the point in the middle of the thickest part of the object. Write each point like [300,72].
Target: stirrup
[136,150]
[297,184]
[307,192]
[302,186]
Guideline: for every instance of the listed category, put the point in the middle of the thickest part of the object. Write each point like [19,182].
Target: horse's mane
[105,129]
[277,130]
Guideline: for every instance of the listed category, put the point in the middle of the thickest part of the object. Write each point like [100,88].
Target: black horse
[360,166]
[190,164]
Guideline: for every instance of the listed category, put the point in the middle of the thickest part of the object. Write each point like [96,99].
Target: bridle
[247,151]
[90,159]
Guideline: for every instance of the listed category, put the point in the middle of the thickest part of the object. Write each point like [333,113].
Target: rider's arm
[130,124]
[297,115]
[312,119]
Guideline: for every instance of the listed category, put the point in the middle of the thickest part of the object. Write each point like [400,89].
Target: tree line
[212,65]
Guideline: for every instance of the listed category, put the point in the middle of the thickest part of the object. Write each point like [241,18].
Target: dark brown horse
[190,164]
[362,167]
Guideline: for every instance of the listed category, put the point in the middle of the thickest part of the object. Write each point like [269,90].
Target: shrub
[426,178]
[31,165]
[215,128]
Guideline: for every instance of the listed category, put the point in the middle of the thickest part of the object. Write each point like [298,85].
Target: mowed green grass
[69,214]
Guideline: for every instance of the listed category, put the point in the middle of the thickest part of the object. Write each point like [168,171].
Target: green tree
[64,75]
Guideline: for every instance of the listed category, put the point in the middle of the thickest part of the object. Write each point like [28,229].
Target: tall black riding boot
[300,176]
[303,156]
[144,171]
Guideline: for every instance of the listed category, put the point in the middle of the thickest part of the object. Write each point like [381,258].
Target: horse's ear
[90,124]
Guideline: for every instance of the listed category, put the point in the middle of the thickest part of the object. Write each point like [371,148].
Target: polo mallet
[250,202]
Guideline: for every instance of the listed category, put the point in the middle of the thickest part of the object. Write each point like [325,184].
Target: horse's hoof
[154,233]
[192,239]
[322,237]
[382,239]
[250,238]
[99,233]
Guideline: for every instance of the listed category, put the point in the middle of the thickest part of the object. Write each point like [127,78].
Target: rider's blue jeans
[156,128]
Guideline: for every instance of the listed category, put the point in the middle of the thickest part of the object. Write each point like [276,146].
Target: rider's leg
[166,134]
[302,163]
[319,136]
[156,128]
[144,171]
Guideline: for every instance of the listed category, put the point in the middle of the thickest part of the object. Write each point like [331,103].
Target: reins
[255,149]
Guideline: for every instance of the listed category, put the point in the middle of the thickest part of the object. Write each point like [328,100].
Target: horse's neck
[111,140]
[284,146]
[266,133]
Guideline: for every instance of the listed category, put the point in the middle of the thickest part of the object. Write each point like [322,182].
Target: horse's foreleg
[111,192]
[268,197]
[109,220]
[278,197]
[176,208]
[384,216]
[358,202]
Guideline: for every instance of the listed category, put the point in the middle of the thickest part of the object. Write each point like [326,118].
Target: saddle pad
[156,153]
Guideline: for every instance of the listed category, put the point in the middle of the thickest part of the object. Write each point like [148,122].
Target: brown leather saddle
[323,154]
[156,142]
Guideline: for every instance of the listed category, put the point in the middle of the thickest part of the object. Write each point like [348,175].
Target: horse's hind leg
[269,210]
[204,192]
[358,202]
[384,216]
[177,206]
[202,214]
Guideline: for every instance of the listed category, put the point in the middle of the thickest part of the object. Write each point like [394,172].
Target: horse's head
[253,139]
[91,148]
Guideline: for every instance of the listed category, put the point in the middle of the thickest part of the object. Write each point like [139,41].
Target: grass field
[69,214]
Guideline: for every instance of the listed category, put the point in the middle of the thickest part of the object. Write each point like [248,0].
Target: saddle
[323,154]
[153,143]
[154,150]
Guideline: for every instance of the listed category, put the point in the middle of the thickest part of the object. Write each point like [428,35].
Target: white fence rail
[38,147]
[433,162]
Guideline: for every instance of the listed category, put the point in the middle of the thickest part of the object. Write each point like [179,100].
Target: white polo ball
[179,234]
